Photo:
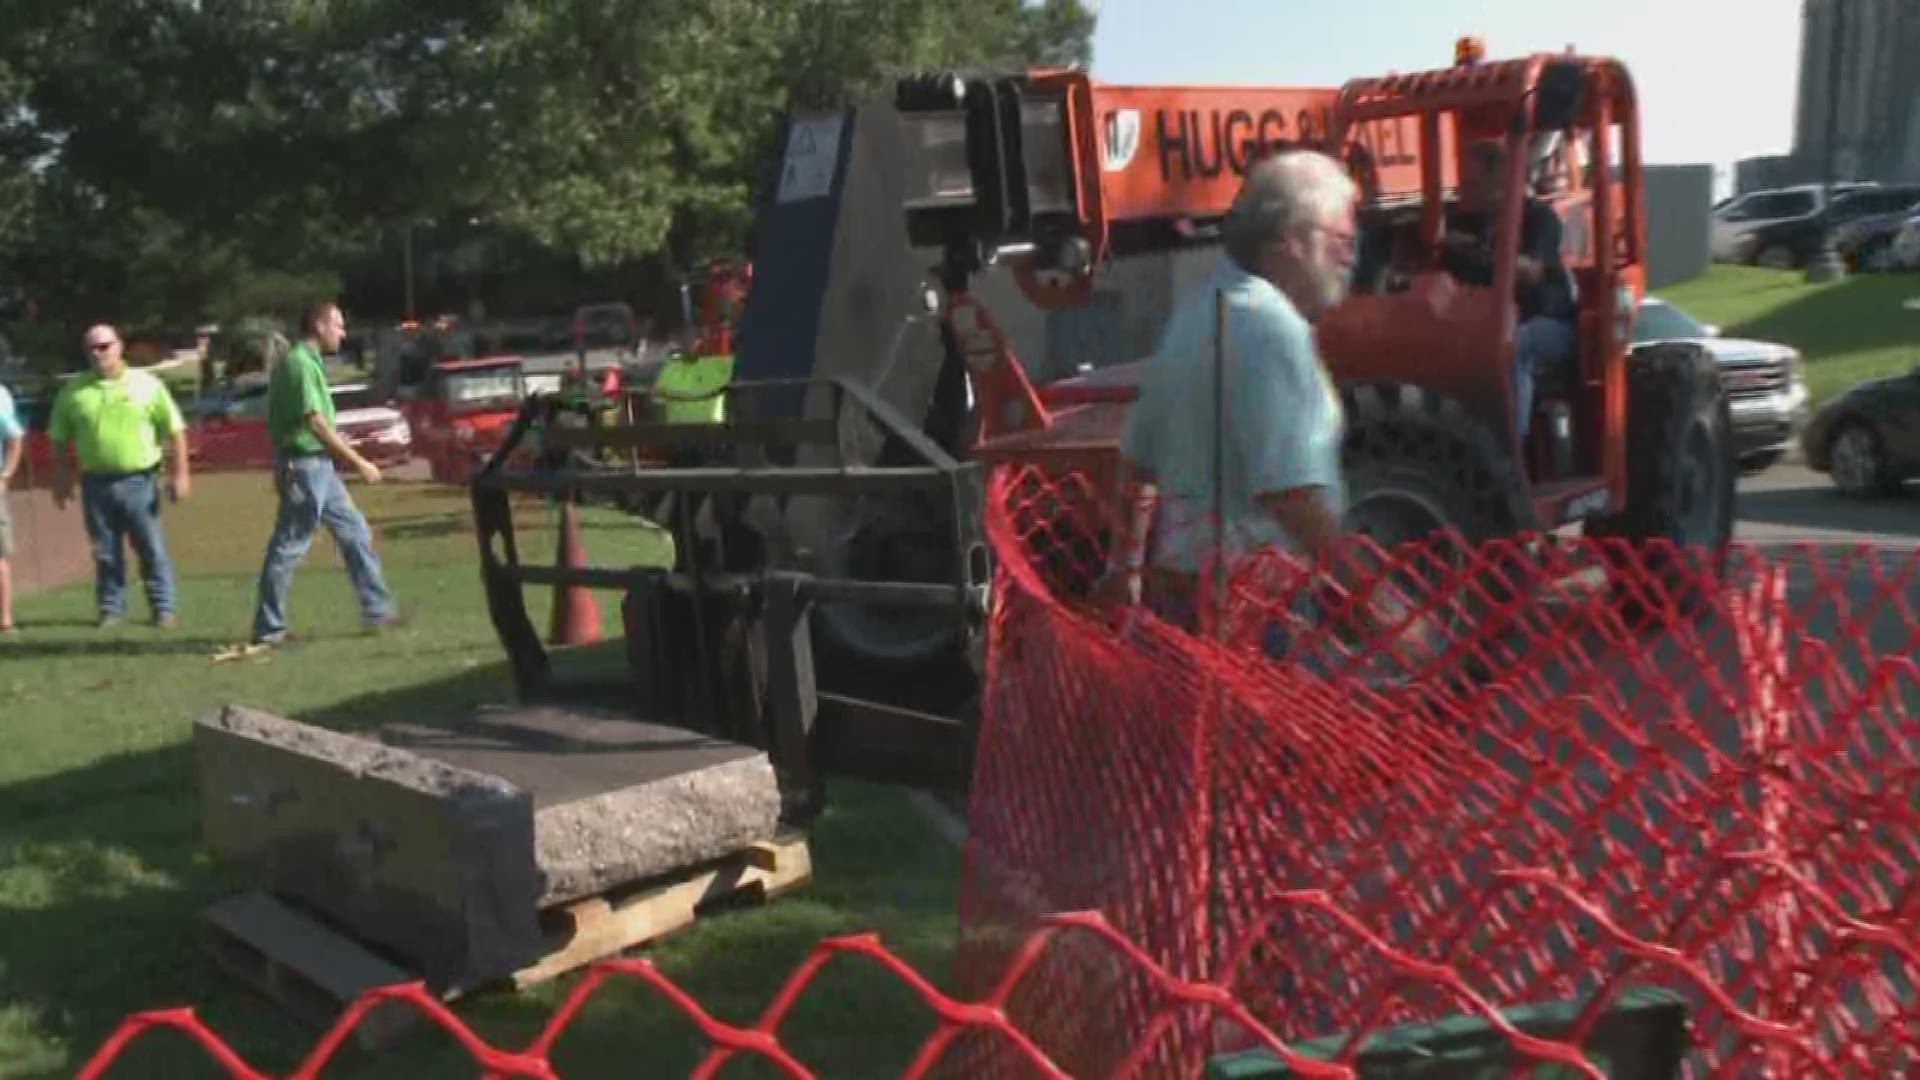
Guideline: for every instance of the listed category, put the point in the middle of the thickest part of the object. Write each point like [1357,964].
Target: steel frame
[727,597]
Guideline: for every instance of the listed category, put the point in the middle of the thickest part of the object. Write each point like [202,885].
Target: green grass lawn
[102,876]
[1848,331]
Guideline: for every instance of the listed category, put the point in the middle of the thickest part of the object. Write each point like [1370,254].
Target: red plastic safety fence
[1550,771]
[984,1017]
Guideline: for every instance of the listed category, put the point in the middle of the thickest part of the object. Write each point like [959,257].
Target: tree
[170,160]
[622,129]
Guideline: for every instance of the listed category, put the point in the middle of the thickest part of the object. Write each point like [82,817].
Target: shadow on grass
[26,647]
[1861,313]
[102,879]
[425,527]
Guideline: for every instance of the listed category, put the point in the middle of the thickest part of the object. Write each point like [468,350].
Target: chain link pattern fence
[1554,771]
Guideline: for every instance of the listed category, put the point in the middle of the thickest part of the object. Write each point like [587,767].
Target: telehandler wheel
[929,659]
[1418,463]
[1420,468]
[1681,481]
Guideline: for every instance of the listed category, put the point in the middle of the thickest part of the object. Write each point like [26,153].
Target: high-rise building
[1872,124]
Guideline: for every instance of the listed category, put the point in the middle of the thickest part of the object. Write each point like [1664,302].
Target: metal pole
[1219,463]
[406,256]
[1836,27]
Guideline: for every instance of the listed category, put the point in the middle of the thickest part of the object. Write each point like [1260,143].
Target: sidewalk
[50,546]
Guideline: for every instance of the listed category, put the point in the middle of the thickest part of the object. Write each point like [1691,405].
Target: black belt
[113,476]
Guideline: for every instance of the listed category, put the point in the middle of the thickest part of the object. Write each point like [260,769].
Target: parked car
[1790,244]
[228,429]
[1868,244]
[1734,219]
[1904,253]
[1766,381]
[1868,439]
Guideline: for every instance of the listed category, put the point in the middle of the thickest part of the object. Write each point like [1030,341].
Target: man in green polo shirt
[300,422]
[116,417]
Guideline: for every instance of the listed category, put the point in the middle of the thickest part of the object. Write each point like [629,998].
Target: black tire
[1858,463]
[1682,479]
[1419,468]
[1411,453]
[930,660]
[933,661]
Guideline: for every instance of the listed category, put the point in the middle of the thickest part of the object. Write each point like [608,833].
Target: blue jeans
[312,494]
[118,508]
[1276,641]
[1537,343]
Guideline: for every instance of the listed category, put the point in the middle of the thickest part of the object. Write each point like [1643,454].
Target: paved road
[1790,502]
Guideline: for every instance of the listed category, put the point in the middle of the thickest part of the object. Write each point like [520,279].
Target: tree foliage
[164,161]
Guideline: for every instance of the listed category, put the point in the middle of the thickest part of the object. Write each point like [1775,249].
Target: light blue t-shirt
[10,428]
[1282,419]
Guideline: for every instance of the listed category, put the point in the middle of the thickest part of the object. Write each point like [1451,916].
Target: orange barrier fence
[1547,772]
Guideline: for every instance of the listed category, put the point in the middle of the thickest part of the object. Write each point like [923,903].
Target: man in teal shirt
[13,441]
[300,414]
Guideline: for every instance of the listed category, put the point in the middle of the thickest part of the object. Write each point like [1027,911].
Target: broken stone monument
[442,846]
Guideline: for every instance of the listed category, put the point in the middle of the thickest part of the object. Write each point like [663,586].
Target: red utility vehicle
[461,412]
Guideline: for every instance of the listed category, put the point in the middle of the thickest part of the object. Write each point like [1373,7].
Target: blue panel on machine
[792,259]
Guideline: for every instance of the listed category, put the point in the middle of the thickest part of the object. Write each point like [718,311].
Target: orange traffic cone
[576,614]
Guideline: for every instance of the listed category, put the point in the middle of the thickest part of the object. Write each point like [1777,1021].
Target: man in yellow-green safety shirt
[692,389]
[116,418]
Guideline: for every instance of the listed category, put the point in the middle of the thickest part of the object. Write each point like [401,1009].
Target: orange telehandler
[873,385]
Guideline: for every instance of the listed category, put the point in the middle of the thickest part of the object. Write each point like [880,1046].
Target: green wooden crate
[1642,1036]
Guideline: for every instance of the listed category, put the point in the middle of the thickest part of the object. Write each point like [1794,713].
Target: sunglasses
[101,346]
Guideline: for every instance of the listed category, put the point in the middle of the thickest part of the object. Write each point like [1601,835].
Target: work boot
[399,618]
[109,620]
[167,621]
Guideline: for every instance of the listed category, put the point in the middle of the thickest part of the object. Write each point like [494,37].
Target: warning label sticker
[813,146]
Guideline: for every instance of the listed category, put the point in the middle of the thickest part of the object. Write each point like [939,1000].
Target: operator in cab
[1287,258]
[1545,337]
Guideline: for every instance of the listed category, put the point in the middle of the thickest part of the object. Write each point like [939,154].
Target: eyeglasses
[1341,237]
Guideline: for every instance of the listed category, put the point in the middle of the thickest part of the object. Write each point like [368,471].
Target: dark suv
[1790,244]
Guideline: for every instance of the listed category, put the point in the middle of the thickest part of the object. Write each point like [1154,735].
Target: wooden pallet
[601,926]
[310,969]
[314,971]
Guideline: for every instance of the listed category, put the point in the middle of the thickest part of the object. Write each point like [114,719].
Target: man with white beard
[1287,258]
